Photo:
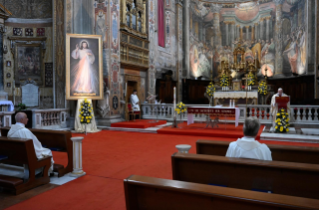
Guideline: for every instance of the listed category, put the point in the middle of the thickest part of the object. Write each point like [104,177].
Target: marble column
[77,157]
[227,33]
[216,23]
[267,28]
[238,32]
[232,32]
[1,57]
[186,29]
[261,28]
[241,33]
[247,32]
[278,38]
[310,21]
[256,31]
[252,33]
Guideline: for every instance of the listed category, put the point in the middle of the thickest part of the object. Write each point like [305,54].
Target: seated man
[248,147]
[19,130]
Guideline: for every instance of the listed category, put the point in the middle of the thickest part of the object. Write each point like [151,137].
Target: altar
[221,96]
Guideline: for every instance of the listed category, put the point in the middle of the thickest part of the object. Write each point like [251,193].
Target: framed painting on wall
[28,62]
[84,67]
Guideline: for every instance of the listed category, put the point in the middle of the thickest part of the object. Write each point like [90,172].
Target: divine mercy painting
[84,67]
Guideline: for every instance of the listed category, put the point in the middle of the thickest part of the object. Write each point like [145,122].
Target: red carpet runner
[138,124]
[108,158]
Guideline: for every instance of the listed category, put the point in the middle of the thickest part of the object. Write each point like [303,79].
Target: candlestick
[174,98]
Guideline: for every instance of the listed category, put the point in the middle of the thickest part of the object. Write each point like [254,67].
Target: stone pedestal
[77,157]
[183,148]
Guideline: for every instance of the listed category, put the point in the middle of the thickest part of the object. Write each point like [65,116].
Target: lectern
[282,102]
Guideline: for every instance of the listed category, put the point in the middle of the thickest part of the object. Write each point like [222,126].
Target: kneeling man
[248,147]
[19,130]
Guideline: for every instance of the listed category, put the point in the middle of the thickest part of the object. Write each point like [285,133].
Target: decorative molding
[29,21]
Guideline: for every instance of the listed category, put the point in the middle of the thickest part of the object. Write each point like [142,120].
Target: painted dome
[247,11]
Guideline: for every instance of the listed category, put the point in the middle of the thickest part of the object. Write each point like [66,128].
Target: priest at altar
[274,108]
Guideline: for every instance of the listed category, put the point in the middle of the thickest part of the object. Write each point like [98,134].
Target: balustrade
[300,114]
[49,118]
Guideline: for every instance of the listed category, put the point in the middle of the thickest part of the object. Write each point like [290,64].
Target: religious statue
[103,106]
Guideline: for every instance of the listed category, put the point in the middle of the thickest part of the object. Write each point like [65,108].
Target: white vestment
[134,101]
[248,147]
[20,131]
[274,108]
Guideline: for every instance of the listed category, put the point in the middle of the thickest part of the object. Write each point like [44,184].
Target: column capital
[268,18]
[238,26]
[215,8]
[247,26]
[256,24]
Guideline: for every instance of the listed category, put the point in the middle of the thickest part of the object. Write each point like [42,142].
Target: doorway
[131,86]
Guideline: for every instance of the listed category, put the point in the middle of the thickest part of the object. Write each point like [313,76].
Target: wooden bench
[287,178]
[21,151]
[278,152]
[157,194]
[56,141]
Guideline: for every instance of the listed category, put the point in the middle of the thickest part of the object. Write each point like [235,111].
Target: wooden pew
[278,152]
[143,192]
[56,141]
[21,151]
[287,178]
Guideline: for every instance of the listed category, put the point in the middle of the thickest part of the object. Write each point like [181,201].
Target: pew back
[56,141]
[278,152]
[21,151]
[157,194]
[287,178]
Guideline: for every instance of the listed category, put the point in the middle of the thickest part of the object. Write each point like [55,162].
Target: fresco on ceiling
[216,30]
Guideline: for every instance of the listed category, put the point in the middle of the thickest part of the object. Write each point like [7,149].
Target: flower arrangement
[86,112]
[210,89]
[262,88]
[180,108]
[282,122]
[224,80]
[250,79]
[21,106]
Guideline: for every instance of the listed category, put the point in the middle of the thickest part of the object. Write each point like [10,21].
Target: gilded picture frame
[84,67]
[28,63]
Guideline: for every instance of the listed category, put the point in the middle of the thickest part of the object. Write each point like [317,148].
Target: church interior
[159,104]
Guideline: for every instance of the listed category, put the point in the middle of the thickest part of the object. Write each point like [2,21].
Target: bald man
[19,130]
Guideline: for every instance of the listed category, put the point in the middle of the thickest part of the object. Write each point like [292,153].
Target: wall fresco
[274,32]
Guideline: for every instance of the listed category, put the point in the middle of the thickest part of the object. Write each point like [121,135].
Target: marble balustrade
[49,118]
[300,114]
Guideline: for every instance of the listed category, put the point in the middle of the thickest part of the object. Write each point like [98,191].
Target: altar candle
[174,98]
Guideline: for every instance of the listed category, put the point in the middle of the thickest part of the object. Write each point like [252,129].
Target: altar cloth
[9,103]
[212,111]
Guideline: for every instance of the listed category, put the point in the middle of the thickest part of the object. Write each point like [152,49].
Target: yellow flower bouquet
[86,112]
[224,80]
[262,88]
[180,108]
[210,89]
[250,79]
[282,122]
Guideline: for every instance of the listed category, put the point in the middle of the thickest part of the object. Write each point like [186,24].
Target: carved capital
[215,8]
[256,24]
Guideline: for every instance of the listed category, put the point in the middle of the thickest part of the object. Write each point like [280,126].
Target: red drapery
[161,26]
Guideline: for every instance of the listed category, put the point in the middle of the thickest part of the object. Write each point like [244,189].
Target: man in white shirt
[135,101]
[248,147]
[19,130]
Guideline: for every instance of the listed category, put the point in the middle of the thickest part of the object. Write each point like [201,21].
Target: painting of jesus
[84,67]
